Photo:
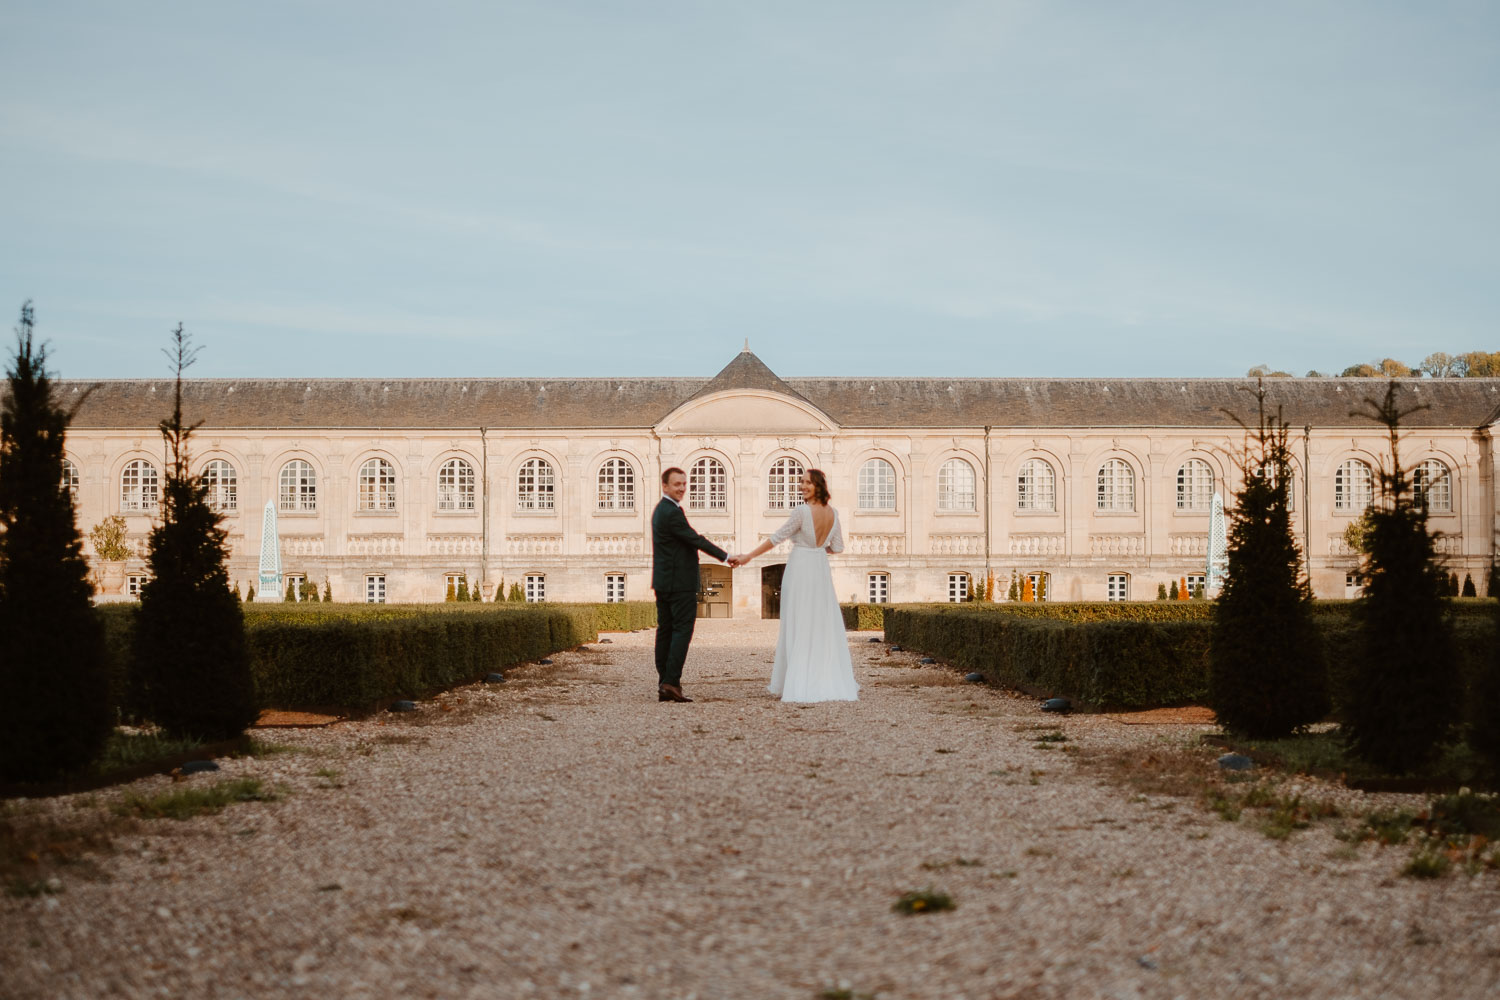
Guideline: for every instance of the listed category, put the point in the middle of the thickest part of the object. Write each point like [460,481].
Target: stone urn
[110,577]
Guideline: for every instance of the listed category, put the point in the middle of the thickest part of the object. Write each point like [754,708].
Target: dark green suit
[674,577]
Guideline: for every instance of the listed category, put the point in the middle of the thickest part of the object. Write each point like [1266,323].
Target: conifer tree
[462,594]
[1469,590]
[516,593]
[500,591]
[1027,594]
[309,590]
[1015,586]
[327,591]
[1182,591]
[291,592]
[1400,708]
[1161,591]
[1267,674]
[249,593]
[52,669]
[190,667]
[237,590]
[476,593]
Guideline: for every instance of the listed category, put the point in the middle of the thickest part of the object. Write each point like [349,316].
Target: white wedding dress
[812,650]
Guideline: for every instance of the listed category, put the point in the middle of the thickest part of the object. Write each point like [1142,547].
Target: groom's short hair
[666,477]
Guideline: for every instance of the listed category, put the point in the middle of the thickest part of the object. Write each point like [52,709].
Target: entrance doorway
[770,590]
[715,592]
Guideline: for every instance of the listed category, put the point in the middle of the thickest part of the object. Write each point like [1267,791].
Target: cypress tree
[500,591]
[291,592]
[1015,587]
[1405,688]
[463,588]
[327,591]
[189,663]
[1161,591]
[309,591]
[1267,675]
[1469,586]
[59,710]
[516,593]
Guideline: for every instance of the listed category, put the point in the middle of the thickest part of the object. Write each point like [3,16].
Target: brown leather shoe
[670,692]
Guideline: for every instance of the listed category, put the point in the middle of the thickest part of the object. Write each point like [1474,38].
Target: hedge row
[872,616]
[1103,656]
[353,658]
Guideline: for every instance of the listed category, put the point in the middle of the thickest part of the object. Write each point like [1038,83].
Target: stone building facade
[1099,488]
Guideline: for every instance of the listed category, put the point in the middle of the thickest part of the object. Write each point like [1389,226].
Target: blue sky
[861,188]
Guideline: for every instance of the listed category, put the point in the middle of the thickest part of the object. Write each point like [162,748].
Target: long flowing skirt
[812,649]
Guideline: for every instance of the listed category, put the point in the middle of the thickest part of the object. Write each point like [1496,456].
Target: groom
[674,577]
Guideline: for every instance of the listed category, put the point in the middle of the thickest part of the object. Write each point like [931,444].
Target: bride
[812,651]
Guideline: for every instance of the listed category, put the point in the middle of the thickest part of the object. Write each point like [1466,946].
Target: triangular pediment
[746,397]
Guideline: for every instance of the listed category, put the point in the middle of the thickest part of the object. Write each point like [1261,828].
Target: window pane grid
[880,588]
[783,492]
[616,485]
[377,485]
[223,485]
[1036,487]
[1433,486]
[536,589]
[1119,587]
[708,485]
[1195,485]
[375,590]
[456,485]
[956,485]
[534,485]
[958,587]
[877,485]
[1353,486]
[70,478]
[1116,486]
[139,486]
[614,588]
[299,487]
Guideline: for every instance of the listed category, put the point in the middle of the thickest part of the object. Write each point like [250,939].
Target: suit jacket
[674,550]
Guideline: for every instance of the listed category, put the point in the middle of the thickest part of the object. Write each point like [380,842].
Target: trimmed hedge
[863,617]
[353,657]
[1136,654]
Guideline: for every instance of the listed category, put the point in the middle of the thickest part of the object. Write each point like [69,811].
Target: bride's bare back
[822,518]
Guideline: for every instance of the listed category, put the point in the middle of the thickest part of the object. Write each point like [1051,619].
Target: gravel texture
[566,835]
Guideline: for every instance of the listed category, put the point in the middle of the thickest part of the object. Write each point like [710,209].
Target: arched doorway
[770,590]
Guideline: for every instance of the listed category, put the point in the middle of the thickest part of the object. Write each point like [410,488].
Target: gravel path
[565,835]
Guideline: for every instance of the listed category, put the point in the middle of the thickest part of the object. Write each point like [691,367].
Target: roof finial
[747,346]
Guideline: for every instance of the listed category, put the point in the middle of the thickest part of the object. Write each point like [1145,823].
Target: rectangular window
[1119,587]
[134,583]
[451,580]
[375,589]
[614,588]
[1196,584]
[880,588]
[1038,586]
[536,589]
[958,587]
[1352,589]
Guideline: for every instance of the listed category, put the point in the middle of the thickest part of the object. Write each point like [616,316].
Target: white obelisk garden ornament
[1218,549]
[268,587]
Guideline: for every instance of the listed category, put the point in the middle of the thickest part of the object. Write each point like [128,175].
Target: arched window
[377,485]
[783,492]
[1036,486]
[1353,486]
[70,478]
[708,487]
[299,487]
[1116,485]
[1291,484]
[1433,486]
[140,487]
[223,485]
[877,485]
[1195,485]
[616,485]
[536,487]
[456,485]
[956,485]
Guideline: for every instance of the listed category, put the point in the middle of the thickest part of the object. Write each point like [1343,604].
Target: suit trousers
[676,613]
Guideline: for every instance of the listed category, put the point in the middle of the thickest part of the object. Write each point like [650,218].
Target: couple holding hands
[812,651]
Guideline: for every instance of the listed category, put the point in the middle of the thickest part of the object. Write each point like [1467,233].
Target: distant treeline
[1475,364]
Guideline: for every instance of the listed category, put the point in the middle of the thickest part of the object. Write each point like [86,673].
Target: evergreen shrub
[1401,707]
[190,672]
[52,663]
[863,617]
[1468,590]
[1268,674]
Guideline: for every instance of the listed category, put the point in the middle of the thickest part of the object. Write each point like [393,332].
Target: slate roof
[543,404]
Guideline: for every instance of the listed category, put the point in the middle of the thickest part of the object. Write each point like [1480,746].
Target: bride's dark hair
[820,485]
